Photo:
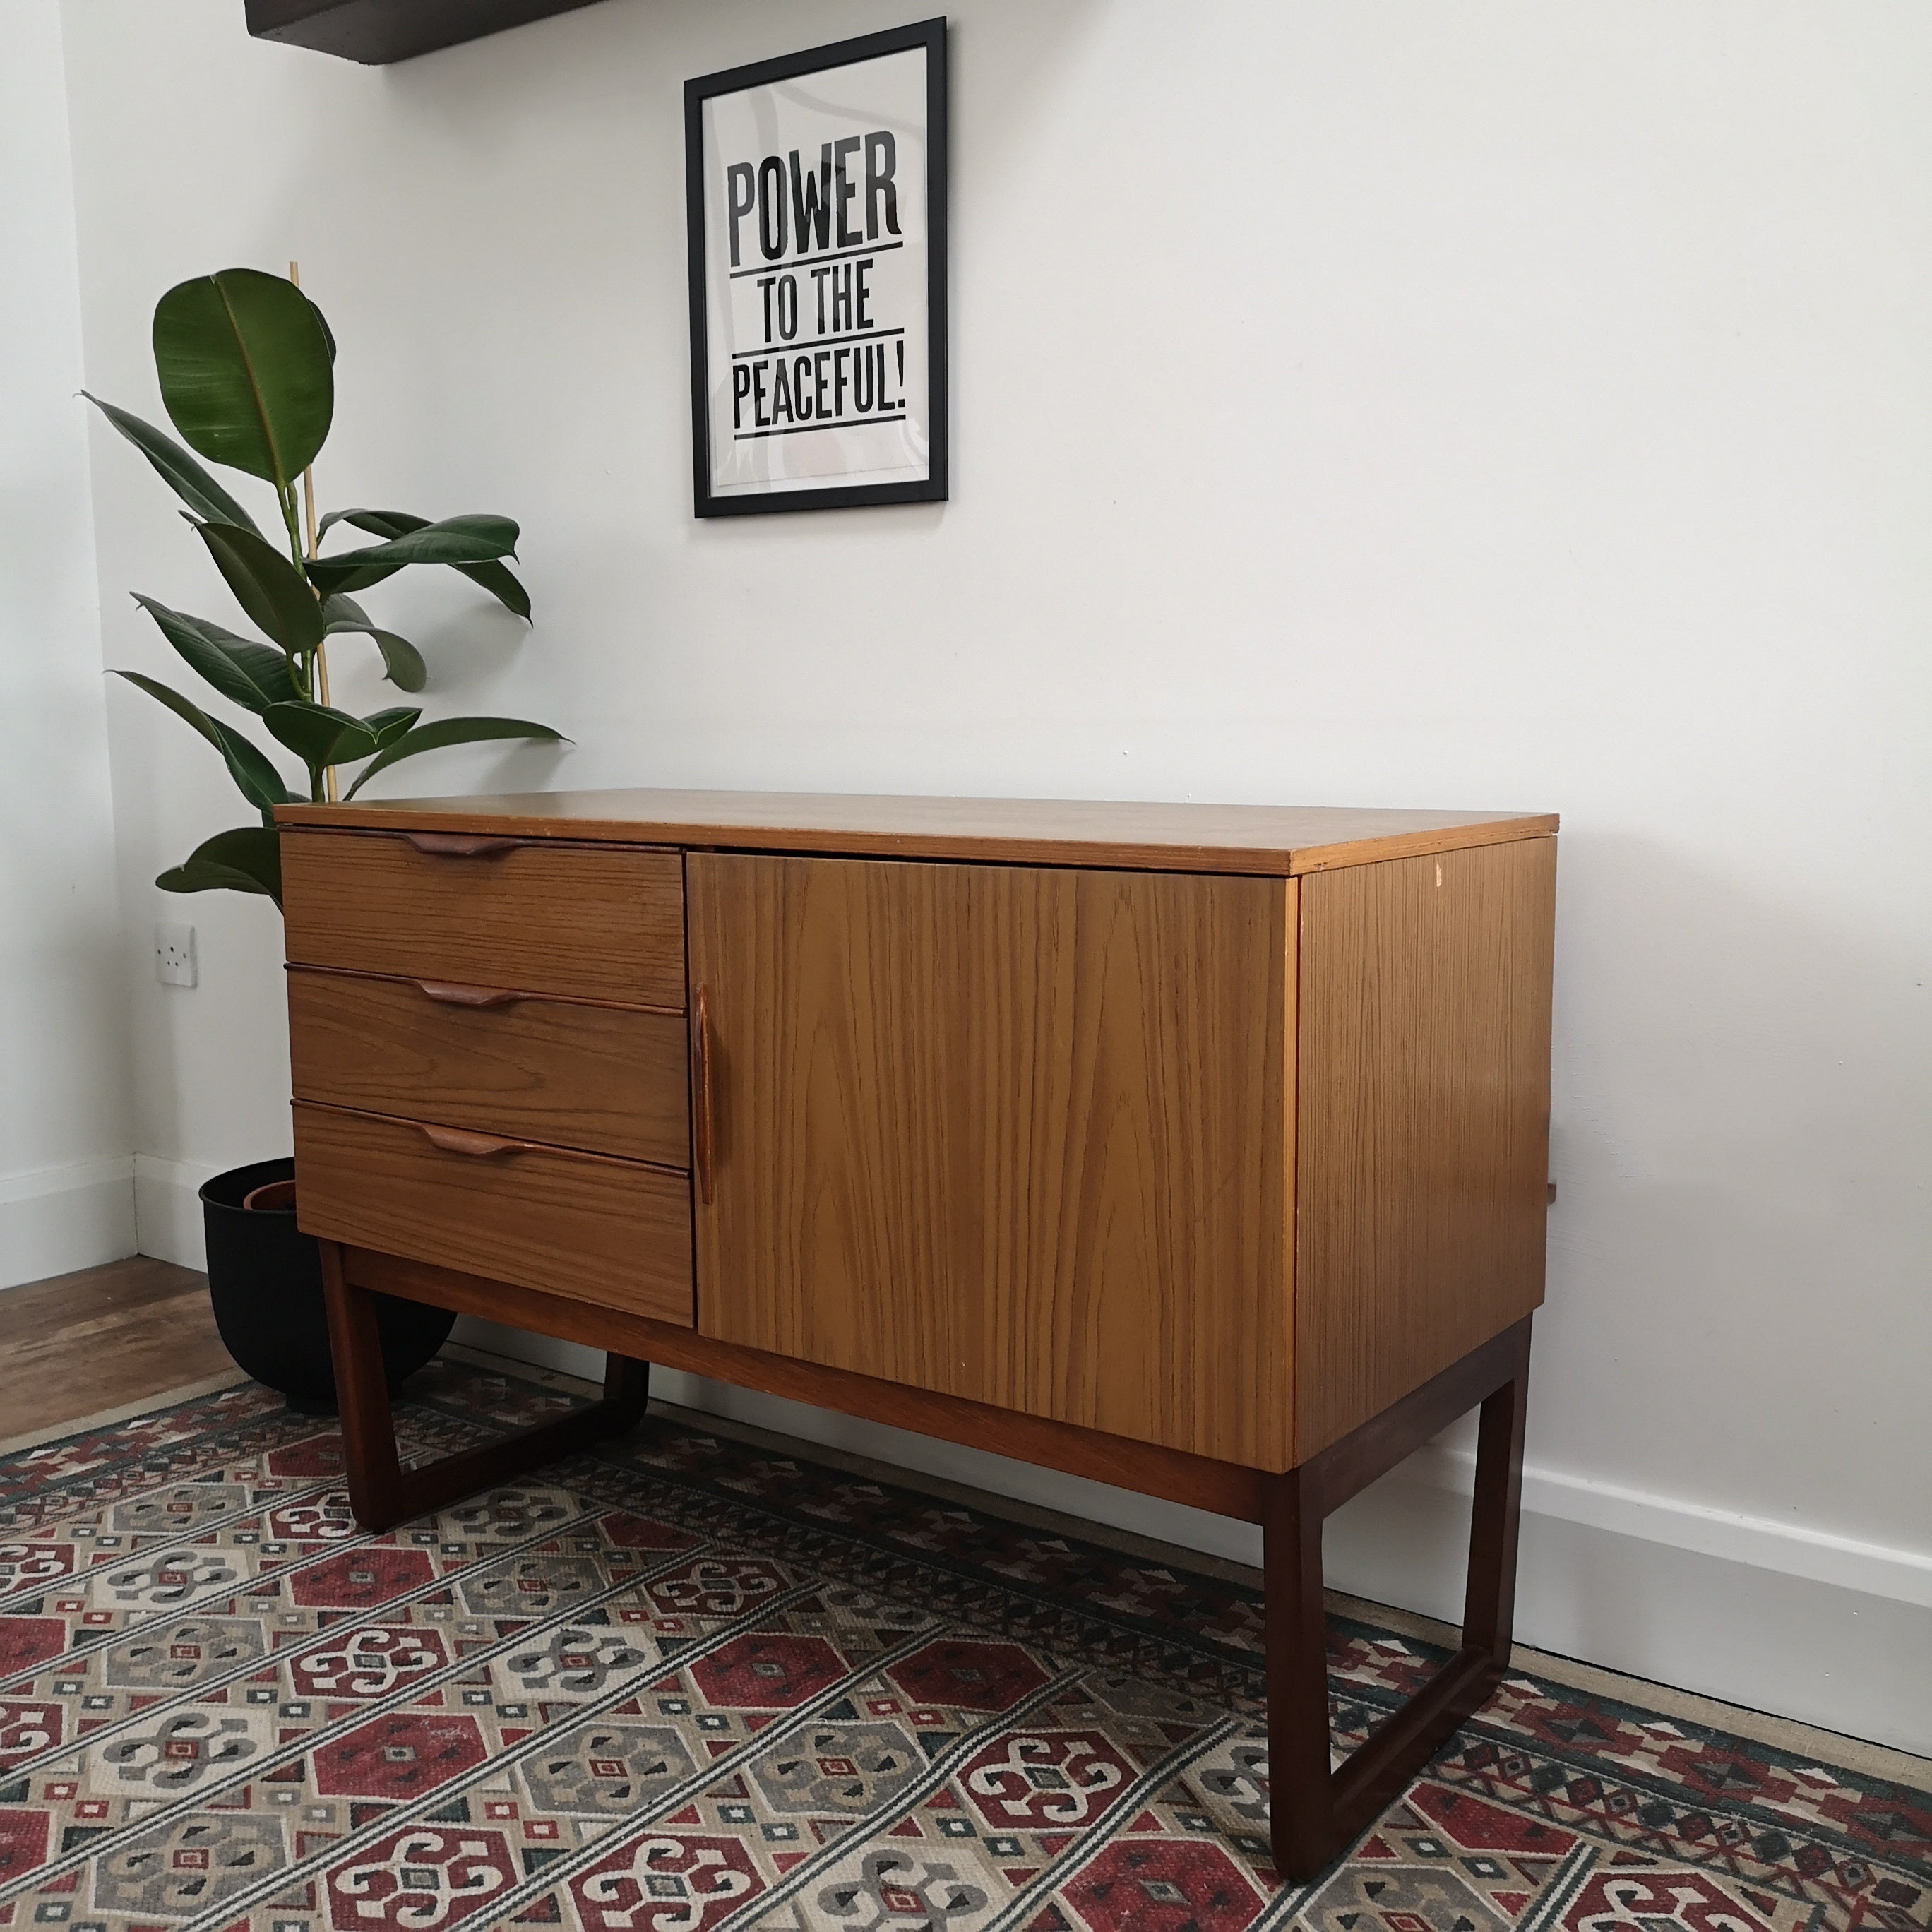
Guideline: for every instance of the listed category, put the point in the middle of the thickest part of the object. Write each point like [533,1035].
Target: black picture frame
[930,37]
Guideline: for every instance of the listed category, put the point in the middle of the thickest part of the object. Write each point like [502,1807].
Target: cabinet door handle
[454,1140]
[700,1092]
[460,845]
[448,993]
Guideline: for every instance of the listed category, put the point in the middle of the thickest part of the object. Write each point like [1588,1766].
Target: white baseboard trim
[59,1218]
[1826,1630]
[167,1209]
[1789,1549]
[1667,1588]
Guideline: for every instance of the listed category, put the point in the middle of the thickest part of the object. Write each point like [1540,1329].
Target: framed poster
[815,192]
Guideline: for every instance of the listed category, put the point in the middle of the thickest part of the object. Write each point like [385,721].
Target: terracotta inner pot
[271,1194]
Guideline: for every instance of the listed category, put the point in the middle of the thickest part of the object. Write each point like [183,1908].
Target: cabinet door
[1012,1133]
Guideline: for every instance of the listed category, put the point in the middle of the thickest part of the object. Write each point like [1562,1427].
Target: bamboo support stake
[309,550]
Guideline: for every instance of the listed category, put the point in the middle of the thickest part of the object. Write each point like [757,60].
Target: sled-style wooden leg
[1316,1813]
[383,1493]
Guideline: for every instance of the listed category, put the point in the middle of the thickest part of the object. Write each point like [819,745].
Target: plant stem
[328,790]
[298,661]
[320,682]
[286,497]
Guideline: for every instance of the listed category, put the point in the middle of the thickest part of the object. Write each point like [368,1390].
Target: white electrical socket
[174,954]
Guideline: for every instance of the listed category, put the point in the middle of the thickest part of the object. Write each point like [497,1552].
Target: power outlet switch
[174,954]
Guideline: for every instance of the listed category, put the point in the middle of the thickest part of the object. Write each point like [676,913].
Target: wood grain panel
[1423,1121]
[1016,1135]
[578,1224]
[611,1079]
[601,922]
[1272,840]
[1223,1487]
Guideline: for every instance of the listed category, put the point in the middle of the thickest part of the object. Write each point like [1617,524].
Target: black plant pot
[265,1279]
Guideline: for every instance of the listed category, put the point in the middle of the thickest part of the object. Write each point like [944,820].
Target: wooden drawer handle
[700,1092]
[460,845]
[454,1140]
[448,993]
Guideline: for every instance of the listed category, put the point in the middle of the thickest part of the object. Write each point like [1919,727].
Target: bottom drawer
[609,1231]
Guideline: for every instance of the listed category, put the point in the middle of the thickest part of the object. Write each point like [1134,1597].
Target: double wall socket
[174,954]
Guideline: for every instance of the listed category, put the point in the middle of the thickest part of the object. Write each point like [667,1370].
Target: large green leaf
[343,613]
[497,578]
[257,779]
[318,734]
[245,364]
[266,585]
[187,479]
[247,859]
[390,725]
[402,663]
[502,584]
[450,731]
[469,539]
[251,675]
[463,540]
[335,576]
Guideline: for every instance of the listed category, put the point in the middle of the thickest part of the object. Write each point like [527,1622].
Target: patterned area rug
[688,1684]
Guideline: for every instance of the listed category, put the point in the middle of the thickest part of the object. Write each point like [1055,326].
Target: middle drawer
[609,1079]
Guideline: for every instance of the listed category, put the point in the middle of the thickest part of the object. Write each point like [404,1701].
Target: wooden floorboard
[79,1343]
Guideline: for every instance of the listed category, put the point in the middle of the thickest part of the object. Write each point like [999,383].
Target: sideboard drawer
[613,1232]
[611,1079]
[541,915]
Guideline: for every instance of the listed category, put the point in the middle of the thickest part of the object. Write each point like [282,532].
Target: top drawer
[538,916]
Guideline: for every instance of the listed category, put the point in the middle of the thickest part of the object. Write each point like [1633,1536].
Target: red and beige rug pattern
[689,1684]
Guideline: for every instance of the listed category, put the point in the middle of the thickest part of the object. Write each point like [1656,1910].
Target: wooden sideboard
[1201,1150]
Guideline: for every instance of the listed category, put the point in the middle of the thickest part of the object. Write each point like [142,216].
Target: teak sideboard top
[1218,1129]
[1274,840]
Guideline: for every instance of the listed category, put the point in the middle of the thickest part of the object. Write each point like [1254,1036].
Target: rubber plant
[246,366]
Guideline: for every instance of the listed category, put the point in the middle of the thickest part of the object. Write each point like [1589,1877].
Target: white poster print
[816,279]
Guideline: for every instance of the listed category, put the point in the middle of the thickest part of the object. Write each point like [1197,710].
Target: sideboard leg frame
[1316,1812]
[381,1491]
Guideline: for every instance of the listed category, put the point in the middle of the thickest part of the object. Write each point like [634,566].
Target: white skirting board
[60,1218]
[167,1209]
[1799,1623]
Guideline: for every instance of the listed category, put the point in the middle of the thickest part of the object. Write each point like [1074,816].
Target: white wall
[66,1196]
[1521,405]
